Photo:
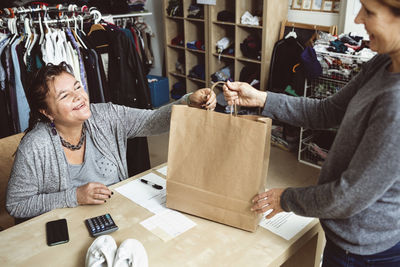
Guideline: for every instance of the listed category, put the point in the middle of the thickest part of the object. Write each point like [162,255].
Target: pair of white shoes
[104,253]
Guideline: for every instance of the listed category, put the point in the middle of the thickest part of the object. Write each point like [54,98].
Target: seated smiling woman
[73,150]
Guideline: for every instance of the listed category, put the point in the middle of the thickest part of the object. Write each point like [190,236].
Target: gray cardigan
[358,194]
[40,179]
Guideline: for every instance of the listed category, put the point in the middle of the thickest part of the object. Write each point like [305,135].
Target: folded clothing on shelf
[175,8]
[226,15]
[178,90]
[196,45]
[195,11]
[223,44]
[178,40]
[136,5]
[251,47]
[251,75]
[249,19]
[198,72]
[224,74]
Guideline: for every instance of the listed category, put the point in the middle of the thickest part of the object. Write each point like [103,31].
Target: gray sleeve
[26,196]
[312,113]
[143,122]
[372,172]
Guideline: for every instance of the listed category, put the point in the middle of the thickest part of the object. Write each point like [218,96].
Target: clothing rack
[132,14]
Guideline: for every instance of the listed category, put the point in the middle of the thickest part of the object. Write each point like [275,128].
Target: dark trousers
[334,256]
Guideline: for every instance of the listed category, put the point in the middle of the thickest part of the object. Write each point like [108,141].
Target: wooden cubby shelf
[210,30]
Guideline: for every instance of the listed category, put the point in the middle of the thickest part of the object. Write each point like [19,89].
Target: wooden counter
[207,244]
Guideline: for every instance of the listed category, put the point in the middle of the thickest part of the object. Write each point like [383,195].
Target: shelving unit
[190,29]
[314,145]
[210,30]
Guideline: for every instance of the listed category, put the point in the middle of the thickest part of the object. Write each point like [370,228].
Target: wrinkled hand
[243,94]
[203,98]
[268,200]
[92,193]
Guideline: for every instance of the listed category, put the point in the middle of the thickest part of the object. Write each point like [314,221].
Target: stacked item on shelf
[175,8]
[251,47]
[136,5]
[196,11]
[226,15]
[223,75]
[198,72]
[248,19]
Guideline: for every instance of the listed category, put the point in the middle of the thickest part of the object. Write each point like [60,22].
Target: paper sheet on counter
[144,194]
[163,170]
[168,224]
[285,224]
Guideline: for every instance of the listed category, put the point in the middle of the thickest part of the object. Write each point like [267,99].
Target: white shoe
[131,253]
[101,252]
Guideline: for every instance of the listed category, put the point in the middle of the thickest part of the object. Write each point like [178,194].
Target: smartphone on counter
[57,232]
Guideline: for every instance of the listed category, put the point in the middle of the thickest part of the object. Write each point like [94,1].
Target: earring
[53,128]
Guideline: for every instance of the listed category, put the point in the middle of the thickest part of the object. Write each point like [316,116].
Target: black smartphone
[57,232]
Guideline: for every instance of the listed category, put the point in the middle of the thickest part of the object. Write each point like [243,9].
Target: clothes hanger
[77,35]
[41,30]
[97,18]
[292,33]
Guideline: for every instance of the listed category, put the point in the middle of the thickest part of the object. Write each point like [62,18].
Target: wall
[313,17]
[348,13]
[344,20]
[157,42]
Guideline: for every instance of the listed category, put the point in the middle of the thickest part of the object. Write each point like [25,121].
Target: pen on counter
[156,186]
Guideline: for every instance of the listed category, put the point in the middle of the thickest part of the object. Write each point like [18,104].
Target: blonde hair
[394,5]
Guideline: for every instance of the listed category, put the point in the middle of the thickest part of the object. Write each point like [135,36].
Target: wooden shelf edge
[196,80]
[224,23]
[224,56]
[196,51]
[249,26]
[194,19]
[175,17]
[176,46]
[249,60]
[177,74]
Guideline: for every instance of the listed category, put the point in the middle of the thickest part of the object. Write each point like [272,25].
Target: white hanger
[81,19]
[77,35]
[41,30]
[45,20]
[35,38]
[291,34]
[97,15]
[28,32]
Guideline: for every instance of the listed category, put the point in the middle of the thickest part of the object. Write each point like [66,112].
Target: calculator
[101,225]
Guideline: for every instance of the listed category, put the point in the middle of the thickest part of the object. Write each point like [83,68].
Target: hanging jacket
[285,67]
[127,84]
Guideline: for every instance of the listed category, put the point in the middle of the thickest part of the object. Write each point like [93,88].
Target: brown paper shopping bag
[216,164]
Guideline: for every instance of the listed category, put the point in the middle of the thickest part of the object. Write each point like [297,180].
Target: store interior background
[158,145]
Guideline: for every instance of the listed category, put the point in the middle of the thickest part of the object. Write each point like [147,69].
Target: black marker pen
[156,186]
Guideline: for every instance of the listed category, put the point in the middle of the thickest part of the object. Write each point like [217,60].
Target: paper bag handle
[234,106]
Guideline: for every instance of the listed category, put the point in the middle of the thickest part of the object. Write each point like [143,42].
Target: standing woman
[73,150]
[358,194]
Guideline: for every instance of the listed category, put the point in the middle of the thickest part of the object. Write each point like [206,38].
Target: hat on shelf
[251,47]
[178,90]
[198,72]
[226,15]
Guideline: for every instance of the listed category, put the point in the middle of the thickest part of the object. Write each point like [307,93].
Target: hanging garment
[285,67]
[23,107]
[10,85]
[75,45]
[128,86]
